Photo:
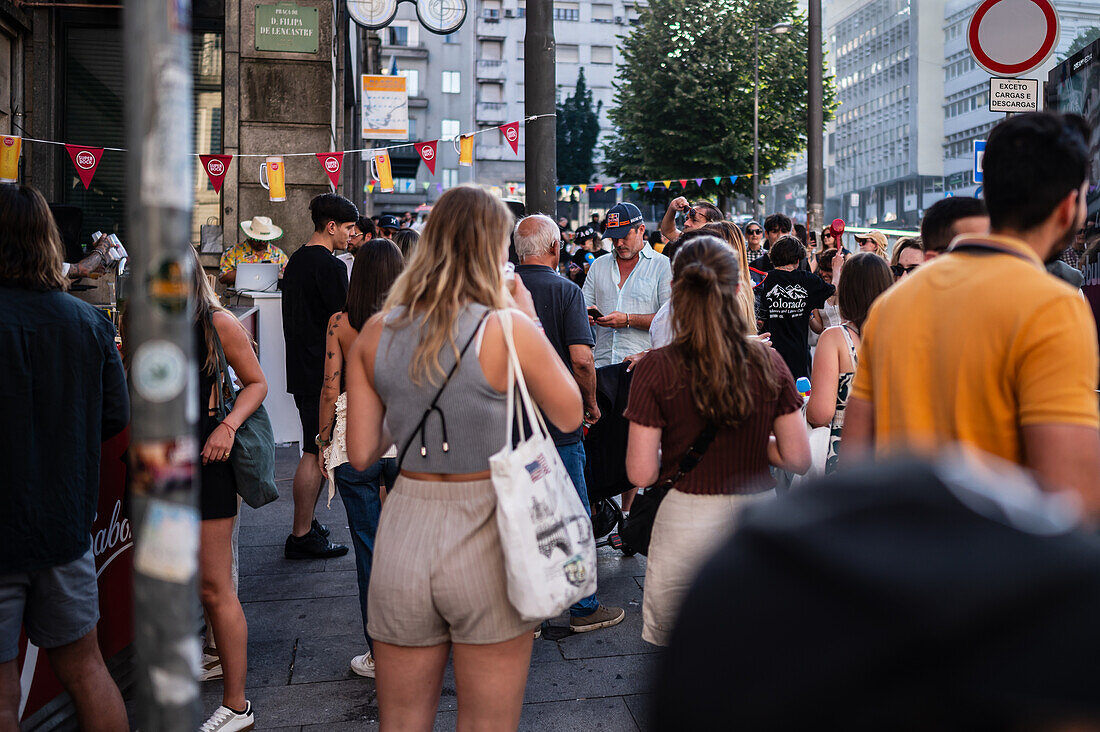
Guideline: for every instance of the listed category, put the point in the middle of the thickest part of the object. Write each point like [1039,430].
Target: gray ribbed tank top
[472,411]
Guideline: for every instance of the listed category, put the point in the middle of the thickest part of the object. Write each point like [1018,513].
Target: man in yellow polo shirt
[981,346]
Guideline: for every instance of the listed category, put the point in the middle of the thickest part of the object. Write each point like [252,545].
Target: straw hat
[261,229]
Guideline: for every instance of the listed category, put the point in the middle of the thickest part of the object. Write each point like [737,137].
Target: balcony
[403,50]
[490,70]
[491,28]
[492,113]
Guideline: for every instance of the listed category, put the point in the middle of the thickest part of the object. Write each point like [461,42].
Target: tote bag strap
[223,382]
[515,372]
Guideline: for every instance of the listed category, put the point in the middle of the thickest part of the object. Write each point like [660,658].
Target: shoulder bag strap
[223,383]
[435,400]
[851,345]
[693,456]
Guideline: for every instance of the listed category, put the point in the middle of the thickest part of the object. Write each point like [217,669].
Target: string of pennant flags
[86,158]
[649,185]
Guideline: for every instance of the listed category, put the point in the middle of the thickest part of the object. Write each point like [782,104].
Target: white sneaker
[225,719]
[363,665]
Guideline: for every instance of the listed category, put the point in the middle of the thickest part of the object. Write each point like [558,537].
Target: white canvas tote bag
[549,549]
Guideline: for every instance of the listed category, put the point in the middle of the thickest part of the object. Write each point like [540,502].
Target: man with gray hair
[560,307]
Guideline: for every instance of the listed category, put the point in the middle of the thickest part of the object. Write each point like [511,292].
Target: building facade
[473,81]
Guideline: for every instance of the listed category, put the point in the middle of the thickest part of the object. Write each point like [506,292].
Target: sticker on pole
[1012,37]
[1013,95]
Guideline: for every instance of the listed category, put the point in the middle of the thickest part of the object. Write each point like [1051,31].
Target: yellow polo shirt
[973,346]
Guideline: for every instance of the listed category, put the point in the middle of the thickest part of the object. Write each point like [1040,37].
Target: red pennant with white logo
[511,134]
[426,151]
[216,166]
[331,162]
[86,159]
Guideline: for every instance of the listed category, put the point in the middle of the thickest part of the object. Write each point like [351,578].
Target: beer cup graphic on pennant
[9,158]
[464,146]
[273,177]
[380,169]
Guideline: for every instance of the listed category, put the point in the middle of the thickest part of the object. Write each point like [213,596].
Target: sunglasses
[691,213]
[900,270]
[754,232]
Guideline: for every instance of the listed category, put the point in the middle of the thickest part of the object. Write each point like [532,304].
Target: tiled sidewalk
[304,627]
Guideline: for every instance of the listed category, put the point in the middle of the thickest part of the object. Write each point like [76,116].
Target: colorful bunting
[439,187]
[668,184]
[583,186]
[597,187]
[332,162]
[684,183]
[634,186]
[370,187]
[718,179]
[426,186]
[733,179]
[426,151]
[699,182]
[649,185]
[86,160]
[216,166]
[511,134]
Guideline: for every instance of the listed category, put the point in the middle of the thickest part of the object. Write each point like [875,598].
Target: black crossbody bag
[434,406]
[639,526]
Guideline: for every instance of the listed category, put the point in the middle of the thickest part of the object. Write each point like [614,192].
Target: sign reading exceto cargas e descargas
[1013,95]
[287,27]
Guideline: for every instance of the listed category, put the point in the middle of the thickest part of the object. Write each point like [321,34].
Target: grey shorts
[57,606]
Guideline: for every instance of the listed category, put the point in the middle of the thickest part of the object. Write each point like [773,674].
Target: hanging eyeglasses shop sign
[438,16]
[287,27]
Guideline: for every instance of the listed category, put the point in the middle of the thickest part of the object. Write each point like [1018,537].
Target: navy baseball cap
[389,221]
[621,219]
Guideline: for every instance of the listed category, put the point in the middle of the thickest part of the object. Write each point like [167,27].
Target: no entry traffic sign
[1012,37]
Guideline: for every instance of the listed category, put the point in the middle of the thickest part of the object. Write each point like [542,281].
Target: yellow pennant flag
[466,150]
[668,184]
[370,187]
[583,187]
[380,166]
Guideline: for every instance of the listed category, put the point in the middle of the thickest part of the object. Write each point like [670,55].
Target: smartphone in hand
[594,312]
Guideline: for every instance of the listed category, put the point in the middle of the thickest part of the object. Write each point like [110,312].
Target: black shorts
[218,489]
[309,412]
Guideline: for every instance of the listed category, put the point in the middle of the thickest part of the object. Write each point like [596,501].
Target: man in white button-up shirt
[627,289]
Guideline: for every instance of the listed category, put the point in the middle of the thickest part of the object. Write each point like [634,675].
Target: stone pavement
[304,627]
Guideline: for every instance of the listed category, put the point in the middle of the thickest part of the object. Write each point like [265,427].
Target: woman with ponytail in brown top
[711,374]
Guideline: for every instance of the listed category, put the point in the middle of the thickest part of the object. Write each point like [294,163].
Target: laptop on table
[257,277]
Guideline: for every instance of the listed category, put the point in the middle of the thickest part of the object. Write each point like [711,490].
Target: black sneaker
[320,528]
[312,546]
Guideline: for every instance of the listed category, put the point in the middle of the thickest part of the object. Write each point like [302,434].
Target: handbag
[643,512]
[253,453]
[545,531]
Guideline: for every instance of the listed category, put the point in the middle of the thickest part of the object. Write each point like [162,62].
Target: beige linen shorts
[687,530]
[438,573]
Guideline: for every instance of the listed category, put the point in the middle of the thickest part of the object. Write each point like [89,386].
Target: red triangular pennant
[511,134]
[426,151]
[684,183]
[216,166]
[331,162]
[86,160]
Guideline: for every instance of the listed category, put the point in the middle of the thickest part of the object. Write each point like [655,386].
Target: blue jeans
[573,457]
[360,492]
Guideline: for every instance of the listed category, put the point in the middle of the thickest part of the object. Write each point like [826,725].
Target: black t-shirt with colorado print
[787,300]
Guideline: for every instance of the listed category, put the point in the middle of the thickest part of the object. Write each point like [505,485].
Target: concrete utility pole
[815,167]
[163,371]
[539,97]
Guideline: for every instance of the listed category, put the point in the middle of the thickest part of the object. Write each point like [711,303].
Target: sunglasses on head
[754,232]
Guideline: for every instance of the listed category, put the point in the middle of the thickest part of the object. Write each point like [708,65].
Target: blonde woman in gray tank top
[438,580]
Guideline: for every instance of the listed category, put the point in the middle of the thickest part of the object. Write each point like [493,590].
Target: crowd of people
[753,356]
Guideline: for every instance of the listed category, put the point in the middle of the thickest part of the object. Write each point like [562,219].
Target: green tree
[578,126]
[684,99]
[1084,38]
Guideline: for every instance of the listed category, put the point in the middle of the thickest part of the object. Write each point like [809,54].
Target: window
[452,83]
[450,38]
[412,128]
[568,54]
[567,11]
[450,177]
[601,13]
[490,10]
[404,34]
[601,54]
[521,9]
[490,93]
[412,81]
[492,50]
[448,129]
[519,50]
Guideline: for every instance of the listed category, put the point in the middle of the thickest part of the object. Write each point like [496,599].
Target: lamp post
[778,29]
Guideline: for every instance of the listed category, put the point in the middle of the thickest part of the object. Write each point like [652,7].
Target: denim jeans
[573,457]
[360,492]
